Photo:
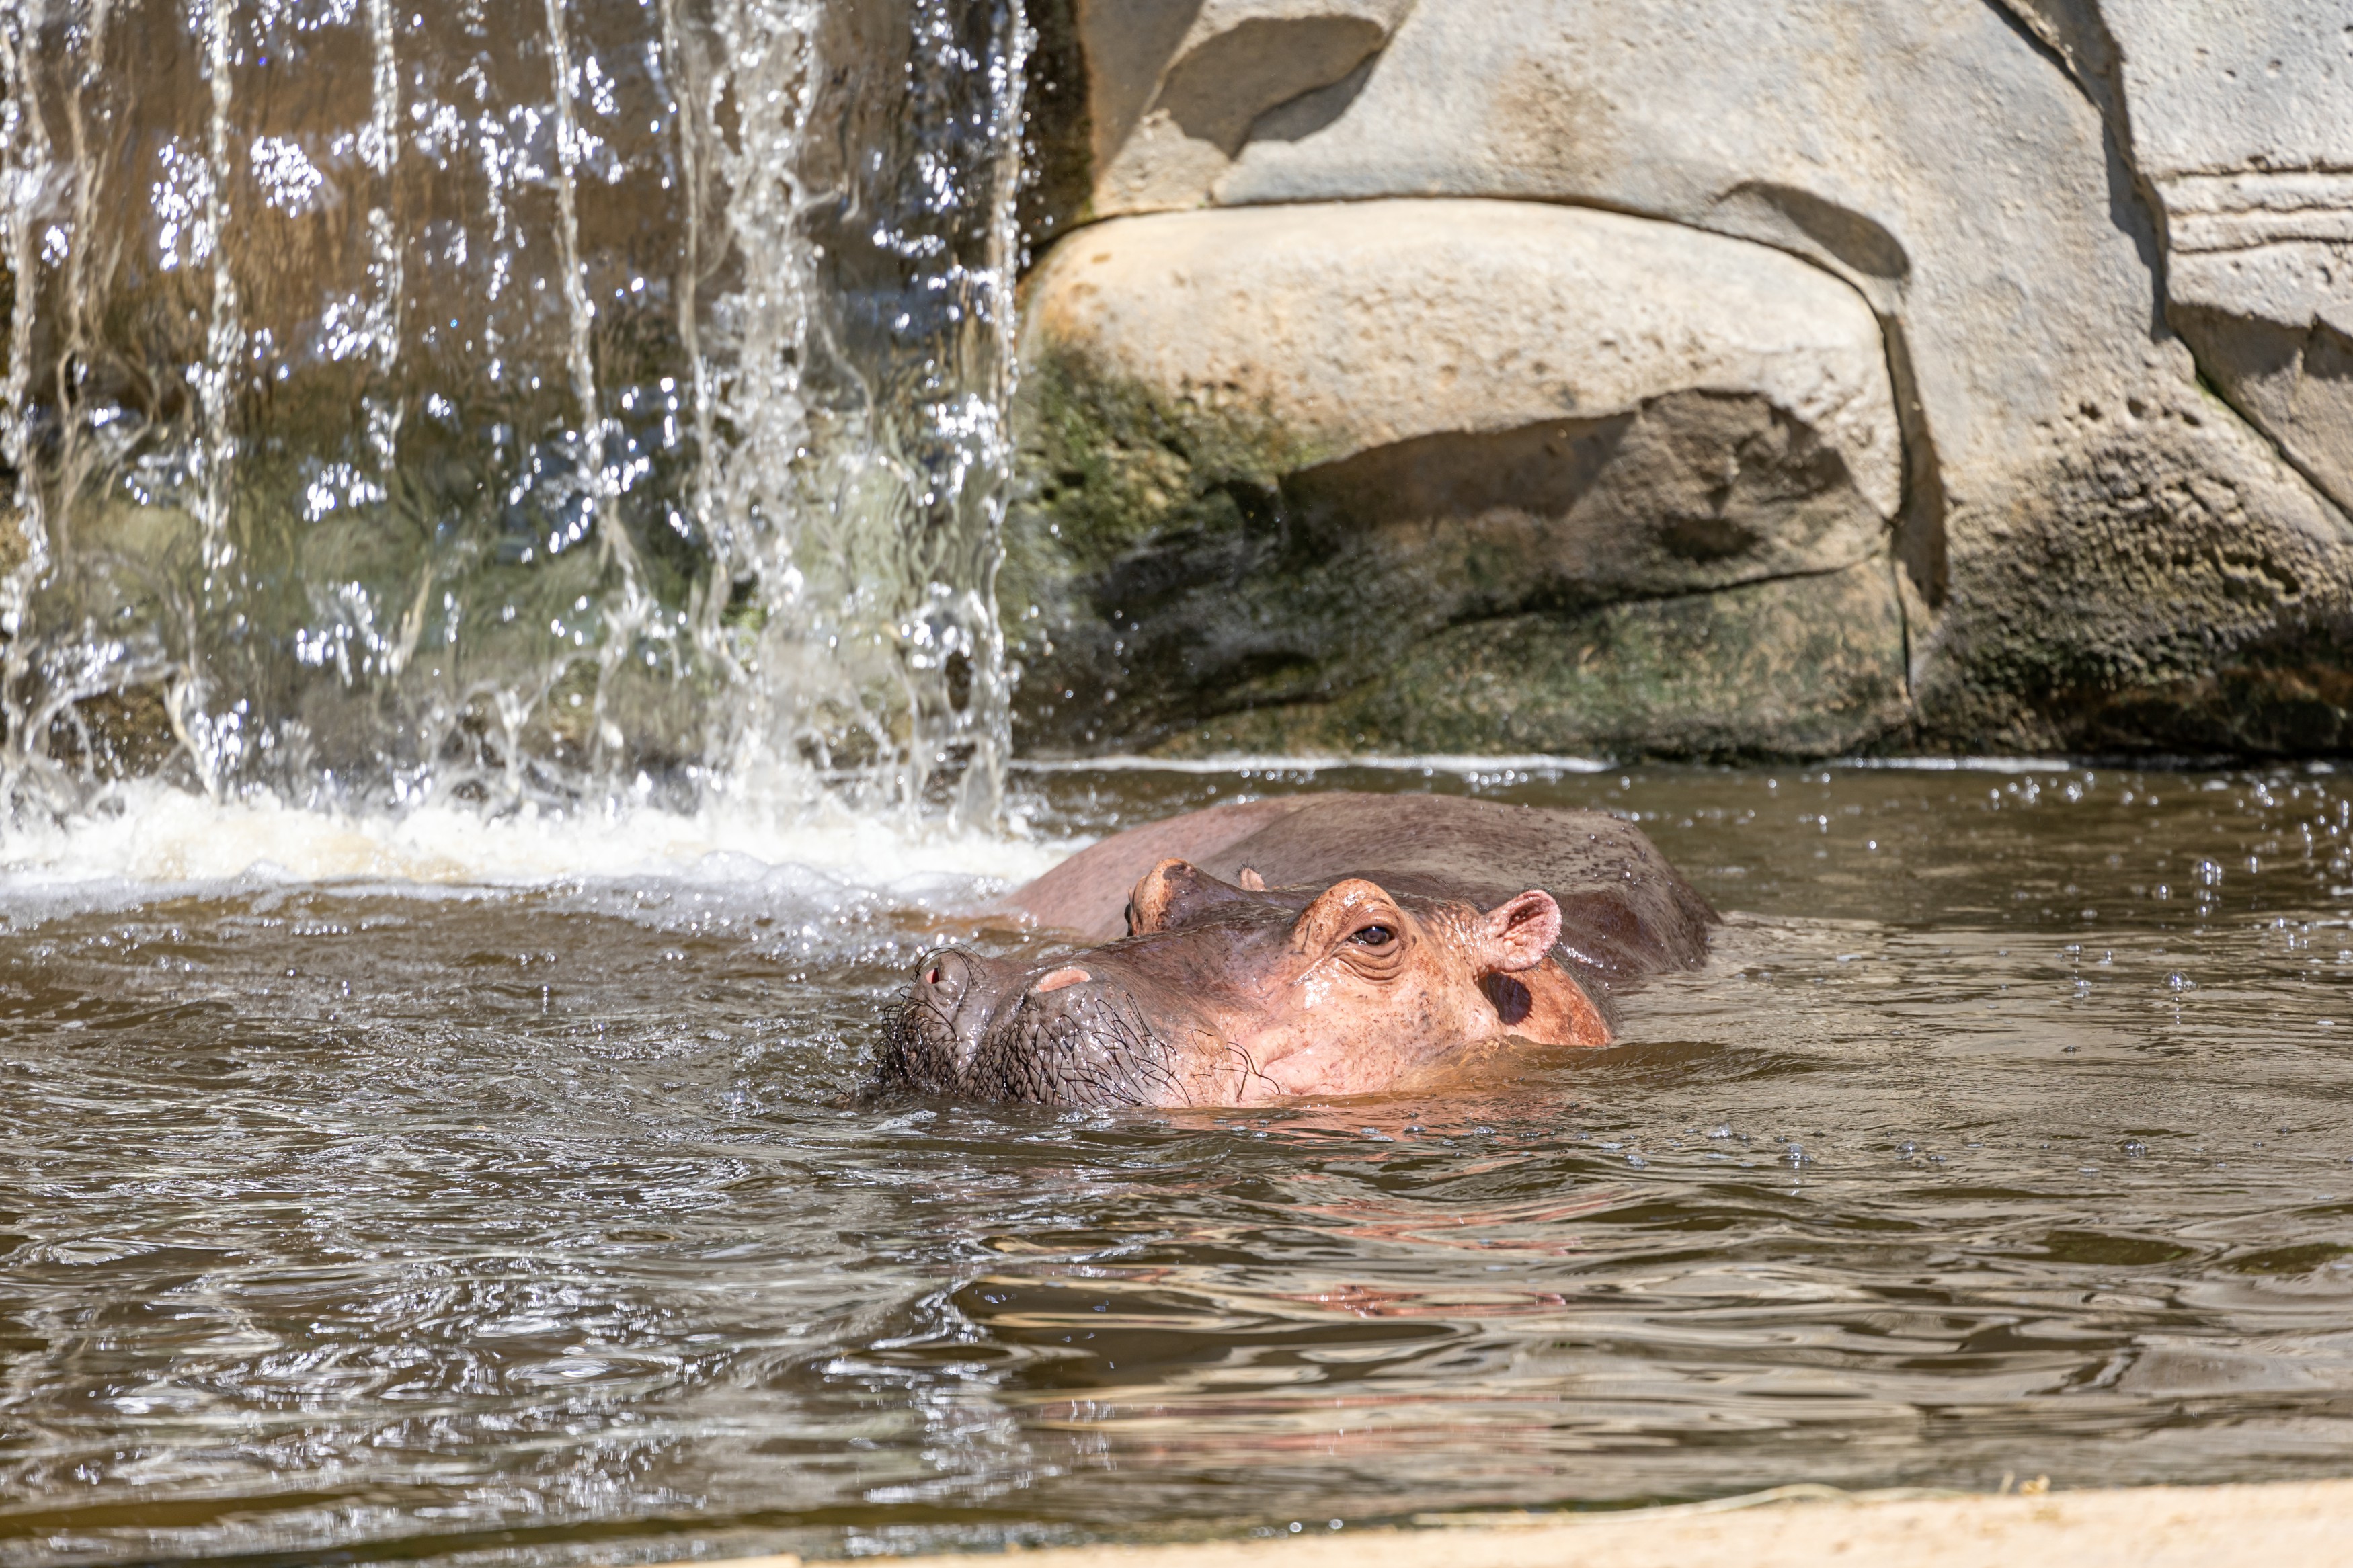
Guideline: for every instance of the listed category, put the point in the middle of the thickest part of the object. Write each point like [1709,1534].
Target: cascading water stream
[571,408]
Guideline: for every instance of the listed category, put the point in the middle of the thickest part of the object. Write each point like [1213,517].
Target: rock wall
[2244,135]
[1692,376]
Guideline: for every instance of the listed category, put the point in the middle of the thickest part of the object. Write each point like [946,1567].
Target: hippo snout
[943,1017]
[1064,1034]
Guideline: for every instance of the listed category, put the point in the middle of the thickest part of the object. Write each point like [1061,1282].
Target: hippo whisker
[1251,1075]
[1138,1059]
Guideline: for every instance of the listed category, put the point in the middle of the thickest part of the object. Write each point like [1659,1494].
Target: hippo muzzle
[1084,1033]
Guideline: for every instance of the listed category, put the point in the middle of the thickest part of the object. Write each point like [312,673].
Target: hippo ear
[1519,932]
[1172,893]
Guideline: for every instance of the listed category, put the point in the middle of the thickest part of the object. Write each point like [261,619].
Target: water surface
[2007,1133]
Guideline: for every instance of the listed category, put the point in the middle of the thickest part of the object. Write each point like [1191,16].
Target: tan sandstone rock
[1327,461]
[1179,85]
[1360,324]
[2097,548]
[2241,122]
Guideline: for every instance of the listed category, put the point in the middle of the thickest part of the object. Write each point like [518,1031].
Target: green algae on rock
[1803,666]
[1179,578]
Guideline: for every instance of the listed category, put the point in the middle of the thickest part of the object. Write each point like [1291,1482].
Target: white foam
[1436,762]
[1960,765]
[145,839]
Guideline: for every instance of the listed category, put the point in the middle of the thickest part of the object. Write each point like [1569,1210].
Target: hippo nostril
[1071,975]
[948,977]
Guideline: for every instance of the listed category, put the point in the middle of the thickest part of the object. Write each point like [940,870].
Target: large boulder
[2066,224]
[1333,466]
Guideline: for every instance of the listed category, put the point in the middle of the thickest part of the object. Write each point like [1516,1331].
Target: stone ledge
[2259,1526]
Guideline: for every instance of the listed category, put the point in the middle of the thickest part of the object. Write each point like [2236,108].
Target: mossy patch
[1807,666]
[1184,572]
[1139,517]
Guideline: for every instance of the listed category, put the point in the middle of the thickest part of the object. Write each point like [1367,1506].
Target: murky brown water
[2008,1133]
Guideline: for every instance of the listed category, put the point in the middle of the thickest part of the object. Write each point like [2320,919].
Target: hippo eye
[1372,936]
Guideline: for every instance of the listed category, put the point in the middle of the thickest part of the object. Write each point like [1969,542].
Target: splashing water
[575,408]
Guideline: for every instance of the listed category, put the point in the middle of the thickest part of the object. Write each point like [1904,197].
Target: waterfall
[546,407]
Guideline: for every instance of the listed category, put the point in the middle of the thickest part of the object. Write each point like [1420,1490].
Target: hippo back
[1625,912]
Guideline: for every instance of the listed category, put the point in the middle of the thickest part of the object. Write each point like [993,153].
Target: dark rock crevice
[1058,147]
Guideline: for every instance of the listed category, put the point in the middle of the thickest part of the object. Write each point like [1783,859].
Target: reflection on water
[2007,1133]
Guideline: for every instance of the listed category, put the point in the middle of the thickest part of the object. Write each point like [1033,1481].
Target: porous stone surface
[1321,463]
[2242,123]
[1178,88]
[2105,244]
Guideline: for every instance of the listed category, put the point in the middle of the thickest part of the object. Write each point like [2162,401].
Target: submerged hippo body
[1315,944]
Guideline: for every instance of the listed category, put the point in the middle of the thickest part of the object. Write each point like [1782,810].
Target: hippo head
[1233,994]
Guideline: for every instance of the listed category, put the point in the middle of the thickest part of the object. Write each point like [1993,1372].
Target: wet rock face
[1300,464]
[1504,383]
[1552,587]
[2242,125]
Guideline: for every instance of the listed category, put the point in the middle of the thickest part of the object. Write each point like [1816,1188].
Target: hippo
[1313,944]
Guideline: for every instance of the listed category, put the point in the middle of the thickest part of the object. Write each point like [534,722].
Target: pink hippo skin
[1317,944]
